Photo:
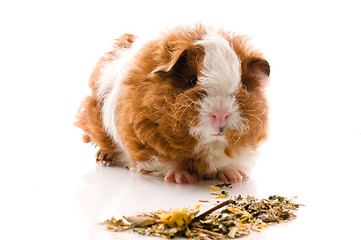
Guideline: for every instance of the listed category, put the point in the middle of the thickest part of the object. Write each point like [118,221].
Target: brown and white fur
[186,105]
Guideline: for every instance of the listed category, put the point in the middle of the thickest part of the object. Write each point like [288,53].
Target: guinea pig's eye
[193,81]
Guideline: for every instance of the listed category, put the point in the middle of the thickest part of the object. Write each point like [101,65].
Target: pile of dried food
[232,218]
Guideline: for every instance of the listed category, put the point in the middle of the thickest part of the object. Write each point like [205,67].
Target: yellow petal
[213,188]
[234,210]
[219,195]
[262,226]
[176,219]
[165,217]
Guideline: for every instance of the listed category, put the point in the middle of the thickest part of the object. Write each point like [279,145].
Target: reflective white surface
[51,187]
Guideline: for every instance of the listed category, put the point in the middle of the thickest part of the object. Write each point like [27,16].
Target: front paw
[232,175]
[105,158]
[180,176]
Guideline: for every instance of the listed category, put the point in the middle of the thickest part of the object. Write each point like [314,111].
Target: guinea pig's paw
[180,176]
[232,175]
[104,158]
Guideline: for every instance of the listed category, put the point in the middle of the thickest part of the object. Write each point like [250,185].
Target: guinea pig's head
[212,89]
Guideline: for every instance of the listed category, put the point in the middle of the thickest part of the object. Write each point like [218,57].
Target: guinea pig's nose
[222,129]
[219,119]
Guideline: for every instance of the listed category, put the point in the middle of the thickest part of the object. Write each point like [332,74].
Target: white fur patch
[220,78]
[111,85]
[221,72]
[216,157]
[154,167]
[219,161]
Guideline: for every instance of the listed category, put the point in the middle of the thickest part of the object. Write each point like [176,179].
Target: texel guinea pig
[185,105]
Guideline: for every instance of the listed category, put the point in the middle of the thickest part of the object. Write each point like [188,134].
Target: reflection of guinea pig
[184,106]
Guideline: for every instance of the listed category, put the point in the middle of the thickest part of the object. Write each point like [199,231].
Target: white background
[50,185]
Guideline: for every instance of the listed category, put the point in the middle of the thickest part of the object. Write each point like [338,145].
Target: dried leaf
[140,220]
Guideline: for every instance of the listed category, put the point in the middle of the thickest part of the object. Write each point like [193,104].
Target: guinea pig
[185,105]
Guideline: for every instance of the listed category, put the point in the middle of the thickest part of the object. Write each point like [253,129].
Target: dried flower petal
[176,218]
[262,226]
[213,188]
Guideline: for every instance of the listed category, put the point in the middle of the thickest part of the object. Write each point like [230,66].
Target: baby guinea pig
[186,105]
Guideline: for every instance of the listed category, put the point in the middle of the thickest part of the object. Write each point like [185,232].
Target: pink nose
[219,119]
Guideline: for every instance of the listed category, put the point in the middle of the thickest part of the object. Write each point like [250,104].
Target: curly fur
[143,111]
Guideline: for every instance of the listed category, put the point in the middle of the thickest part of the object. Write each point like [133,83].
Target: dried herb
[224,185]
[212,210]
[233,218]
[213,188]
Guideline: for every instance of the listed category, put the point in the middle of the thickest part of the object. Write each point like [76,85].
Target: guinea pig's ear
[174,58]
[257,73]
